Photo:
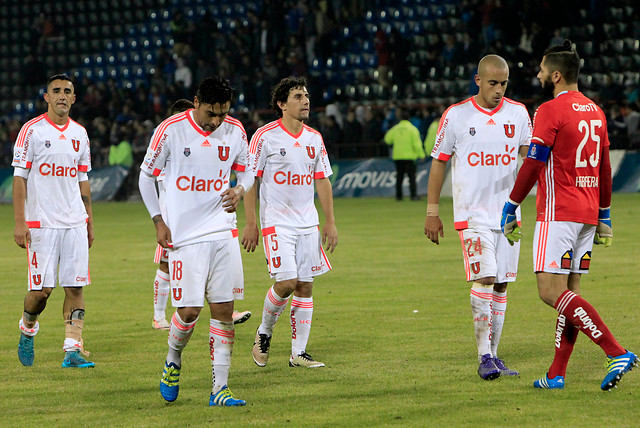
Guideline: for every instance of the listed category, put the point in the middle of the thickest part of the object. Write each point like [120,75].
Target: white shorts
[162,255]
[562,247]
[206,270]
[291,256]
[58,256]
[487,253]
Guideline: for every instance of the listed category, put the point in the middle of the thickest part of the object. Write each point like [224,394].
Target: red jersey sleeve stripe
[28,165]
[256,137]
[238,167]
[25,129]
[318,175]
[83,168]
[259,173]
[443,157]
[157,172]
[163,126]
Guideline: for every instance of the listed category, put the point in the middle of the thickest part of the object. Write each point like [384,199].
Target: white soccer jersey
[486,145]
[54,155]
[197,167]
[288,165]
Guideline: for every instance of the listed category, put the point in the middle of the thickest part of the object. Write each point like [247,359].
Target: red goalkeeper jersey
[569,185]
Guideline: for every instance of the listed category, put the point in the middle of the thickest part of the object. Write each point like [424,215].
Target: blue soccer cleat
[546,383]
[169,386]
[487,369]
[74,359]
[25,350]
[504,370]
[225,397]
[616,368]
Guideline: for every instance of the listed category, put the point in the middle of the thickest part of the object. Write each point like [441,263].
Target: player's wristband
[433,210]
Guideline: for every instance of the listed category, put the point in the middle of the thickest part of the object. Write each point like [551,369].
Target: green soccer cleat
[25,350]
[225,397]
[169,386]
[74,359]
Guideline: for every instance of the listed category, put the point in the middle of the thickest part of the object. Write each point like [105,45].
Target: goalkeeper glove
[509,223]
[604,232]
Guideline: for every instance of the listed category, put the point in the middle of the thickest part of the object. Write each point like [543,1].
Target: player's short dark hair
[60,76]
[281,92]
[215,90]
[180,106]
[565,59]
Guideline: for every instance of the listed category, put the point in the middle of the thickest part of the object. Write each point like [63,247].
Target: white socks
[498,308]
[221,338]
[301,315]
[481,298]
[273,306]
[161,290]
[179,335]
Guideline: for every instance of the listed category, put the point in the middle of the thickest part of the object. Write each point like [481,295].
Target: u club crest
[472,131]
[187,151]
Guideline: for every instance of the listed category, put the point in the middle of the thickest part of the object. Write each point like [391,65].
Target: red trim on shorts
[326,259]
[238,167]
[465,257]
[268,231]
[234,233]
[461,225]
[33,224]
[541,249]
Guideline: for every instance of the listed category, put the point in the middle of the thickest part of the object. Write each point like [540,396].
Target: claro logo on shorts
[492,159]
[193,184]
[58,170]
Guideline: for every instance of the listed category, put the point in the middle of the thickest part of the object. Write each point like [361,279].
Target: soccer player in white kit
[53,218]
[198,149]
[483,135]
[289,157]
[161,285]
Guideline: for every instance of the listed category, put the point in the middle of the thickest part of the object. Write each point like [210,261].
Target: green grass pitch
[392,322]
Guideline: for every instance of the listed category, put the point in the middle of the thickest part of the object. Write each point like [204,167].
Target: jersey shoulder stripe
[234,121]
[510,101]
[444,115]
[256,137]
[78,125]
[25,128]
[163,127]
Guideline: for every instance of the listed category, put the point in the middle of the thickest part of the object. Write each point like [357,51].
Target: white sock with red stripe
[161,290]
[301,315]
[481,309]
[273,307]
[498,309]
[179,334]
[29,331]
[221,338]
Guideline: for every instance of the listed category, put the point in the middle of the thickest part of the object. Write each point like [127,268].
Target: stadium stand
[363,56]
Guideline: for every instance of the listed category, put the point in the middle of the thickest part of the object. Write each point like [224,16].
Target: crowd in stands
[287,38]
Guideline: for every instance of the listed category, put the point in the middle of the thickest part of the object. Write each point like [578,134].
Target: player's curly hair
[565,59]
[283,88]
[215,90]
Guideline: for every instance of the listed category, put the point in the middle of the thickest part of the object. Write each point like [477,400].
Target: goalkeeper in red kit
[569,158]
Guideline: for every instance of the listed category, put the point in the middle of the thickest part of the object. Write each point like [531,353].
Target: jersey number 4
[589,133]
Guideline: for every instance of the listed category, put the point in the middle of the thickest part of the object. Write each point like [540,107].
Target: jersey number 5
[588,131]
